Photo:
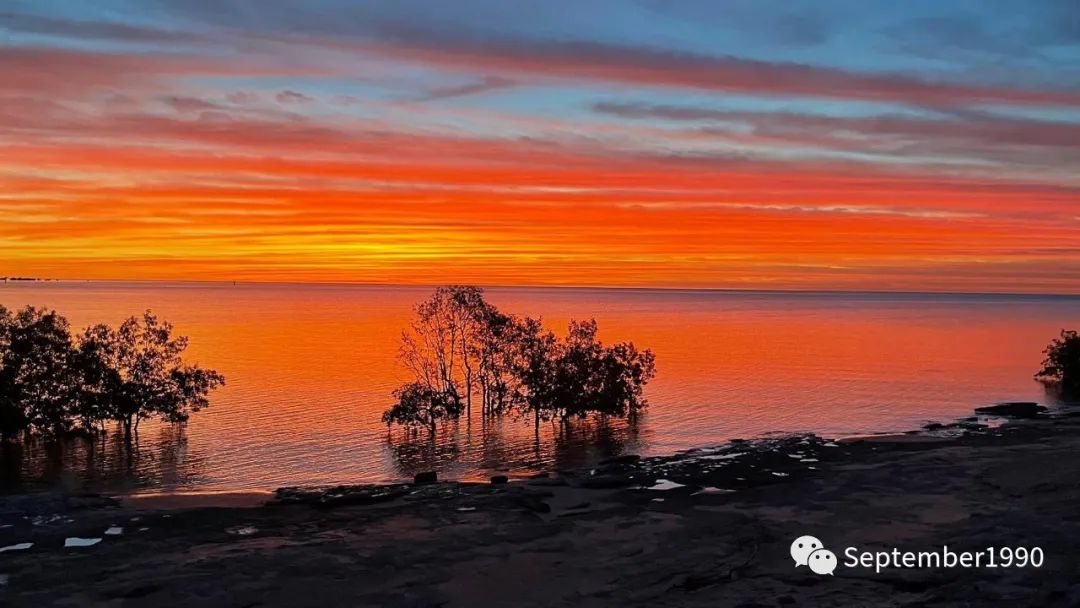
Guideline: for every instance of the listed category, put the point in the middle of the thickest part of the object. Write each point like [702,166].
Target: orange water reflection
[310,369]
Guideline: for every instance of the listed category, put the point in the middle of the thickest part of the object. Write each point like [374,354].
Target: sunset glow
[715,148]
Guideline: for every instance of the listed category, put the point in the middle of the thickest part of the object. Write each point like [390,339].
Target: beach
[709,527]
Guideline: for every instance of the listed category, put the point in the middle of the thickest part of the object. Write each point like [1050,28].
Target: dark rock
[785,600]
[532,503]
[425,478]
[1018,409]
[601,482]
[624,459]
[540,476]
[338,496]
[91,501]
[294,495]
[132,592]
[367,495]
[535,492]
[547,481]
[499,480]
[933,426]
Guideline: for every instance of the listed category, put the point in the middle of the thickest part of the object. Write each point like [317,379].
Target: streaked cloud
[679,145]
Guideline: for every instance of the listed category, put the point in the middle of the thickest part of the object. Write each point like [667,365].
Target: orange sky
[428,160]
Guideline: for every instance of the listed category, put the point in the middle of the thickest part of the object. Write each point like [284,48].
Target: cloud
[35,69]
[958,137]
[241,97]
[292,97]
[185,104]
[502,59]
[648,66]
[96,30]
[485,85]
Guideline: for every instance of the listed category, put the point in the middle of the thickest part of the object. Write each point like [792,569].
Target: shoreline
[258,497]
[152,499]
[704,527]
[180,497]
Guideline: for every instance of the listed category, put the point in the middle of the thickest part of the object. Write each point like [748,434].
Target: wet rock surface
[708,527]
[338,496]
[426,477]
[1017,409]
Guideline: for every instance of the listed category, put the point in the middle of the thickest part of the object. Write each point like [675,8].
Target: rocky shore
[709,527]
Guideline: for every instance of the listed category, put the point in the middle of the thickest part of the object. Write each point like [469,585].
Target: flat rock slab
[1017,409]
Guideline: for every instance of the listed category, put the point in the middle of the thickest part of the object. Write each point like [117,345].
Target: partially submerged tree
[625,372]
[535,357]
[37,378]
[589,378]
[420,406]
[11,418]
[1062,363]
[137,372]
[460,345]
[436,349]
[454,346]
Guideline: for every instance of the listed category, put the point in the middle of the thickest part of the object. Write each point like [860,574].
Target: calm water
[310,369]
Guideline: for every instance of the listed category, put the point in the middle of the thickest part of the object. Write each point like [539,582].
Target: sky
[917,145]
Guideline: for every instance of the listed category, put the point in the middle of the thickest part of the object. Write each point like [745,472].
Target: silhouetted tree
[51,384]
[469,313]
[99,381]
[535,356]
[137,372]
[627,370]
[1062,363]
[419,405]
[37,380]
[591,378]
[12,417]
[449,348]
[497,350]
[460,344]
[431,350]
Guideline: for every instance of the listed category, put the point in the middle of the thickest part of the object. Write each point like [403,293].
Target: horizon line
[779,291]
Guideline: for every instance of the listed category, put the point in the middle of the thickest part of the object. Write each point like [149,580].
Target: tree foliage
[37,378]
[419,405]
[1062,363]
[460,346]
[453,347]
[136,372]
[51,383]
[585,377]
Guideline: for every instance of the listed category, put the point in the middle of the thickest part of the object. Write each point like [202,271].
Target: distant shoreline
[586,288]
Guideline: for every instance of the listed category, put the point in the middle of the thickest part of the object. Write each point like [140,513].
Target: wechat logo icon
[811,552]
